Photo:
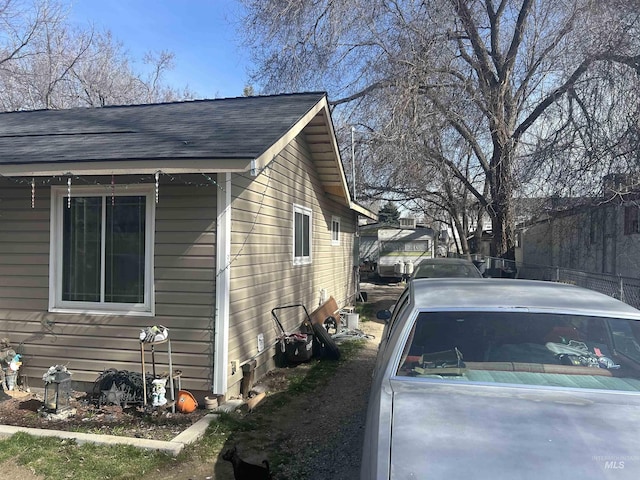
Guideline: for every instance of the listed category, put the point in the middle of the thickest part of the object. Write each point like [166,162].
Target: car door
[399,308]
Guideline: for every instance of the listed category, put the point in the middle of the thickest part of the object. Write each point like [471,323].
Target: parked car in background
[446,267]
[504,378]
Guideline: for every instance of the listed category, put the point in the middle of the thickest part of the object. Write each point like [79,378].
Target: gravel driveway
[319,433]
[337,454]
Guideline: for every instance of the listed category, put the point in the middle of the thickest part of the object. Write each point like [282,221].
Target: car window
[624,336]
[444,271]
[524,348]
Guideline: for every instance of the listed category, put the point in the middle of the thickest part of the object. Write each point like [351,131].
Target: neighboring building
[391,252]
[200,216]
[594,237]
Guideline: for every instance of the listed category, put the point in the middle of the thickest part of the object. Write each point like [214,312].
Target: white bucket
[352,321]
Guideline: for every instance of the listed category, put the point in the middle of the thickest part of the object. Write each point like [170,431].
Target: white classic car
[505,379]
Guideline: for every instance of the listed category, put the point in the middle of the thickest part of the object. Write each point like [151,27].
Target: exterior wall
[262,272]
[623,249]
[591,240]
[562,241]
[185,266]
[536,244]
[88,344]
[368,248]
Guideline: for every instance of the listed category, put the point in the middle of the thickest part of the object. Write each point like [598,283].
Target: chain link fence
[626,289]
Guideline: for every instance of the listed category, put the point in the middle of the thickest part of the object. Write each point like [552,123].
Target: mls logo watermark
[615,462]
[614,465]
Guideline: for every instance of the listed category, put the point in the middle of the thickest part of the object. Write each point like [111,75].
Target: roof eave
[338,188]
[362,211]
[128,167]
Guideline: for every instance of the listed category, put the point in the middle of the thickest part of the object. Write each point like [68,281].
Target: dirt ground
[22,409]
[319,432]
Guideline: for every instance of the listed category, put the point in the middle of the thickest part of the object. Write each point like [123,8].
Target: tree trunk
[461,230]
[501,208]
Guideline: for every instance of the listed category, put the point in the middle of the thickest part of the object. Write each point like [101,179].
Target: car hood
[443,431]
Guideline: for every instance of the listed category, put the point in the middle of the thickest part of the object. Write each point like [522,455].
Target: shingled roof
[222,135]
[231,128]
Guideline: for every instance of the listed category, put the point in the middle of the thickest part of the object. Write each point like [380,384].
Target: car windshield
[525,348]
[441,270]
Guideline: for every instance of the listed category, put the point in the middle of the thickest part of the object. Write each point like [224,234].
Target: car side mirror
[383,315]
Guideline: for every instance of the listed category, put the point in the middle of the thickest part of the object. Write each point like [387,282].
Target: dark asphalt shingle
[242,127]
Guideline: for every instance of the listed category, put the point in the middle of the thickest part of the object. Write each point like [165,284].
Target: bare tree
[44,63]
[514,81]
[104,76]
[409,163]
[21,24]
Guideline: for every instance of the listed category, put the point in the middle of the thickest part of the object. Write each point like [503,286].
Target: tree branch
[484,67]
[516,40]
[628,60]
[551,98]
[374,86]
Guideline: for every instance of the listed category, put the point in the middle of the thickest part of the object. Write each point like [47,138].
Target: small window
[301,235]
[408,223]
[101,251]
[631,219]
[335,231]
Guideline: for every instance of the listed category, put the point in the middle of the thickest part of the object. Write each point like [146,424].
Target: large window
[101,255]
[301,235]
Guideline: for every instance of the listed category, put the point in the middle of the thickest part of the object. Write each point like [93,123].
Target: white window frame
[59,198]
[303,259]
[335,231]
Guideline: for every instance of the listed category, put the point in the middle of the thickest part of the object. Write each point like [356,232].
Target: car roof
[446,261]
[501,293]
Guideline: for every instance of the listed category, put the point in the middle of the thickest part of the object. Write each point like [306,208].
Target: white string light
[69,192]
[90,180]
[33,193]
[157,186]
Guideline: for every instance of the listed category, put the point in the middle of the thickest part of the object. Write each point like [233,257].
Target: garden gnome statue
[158,392]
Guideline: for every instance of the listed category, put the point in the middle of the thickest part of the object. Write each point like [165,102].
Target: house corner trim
[222,285]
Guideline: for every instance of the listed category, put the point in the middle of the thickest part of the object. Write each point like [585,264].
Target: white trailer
[399,250]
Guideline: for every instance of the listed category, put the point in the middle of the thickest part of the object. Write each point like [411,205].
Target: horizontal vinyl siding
[335,272]
[88,344]
[262,272]
[24,257]
[184,277]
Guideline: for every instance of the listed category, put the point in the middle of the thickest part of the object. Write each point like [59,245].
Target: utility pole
[353,162]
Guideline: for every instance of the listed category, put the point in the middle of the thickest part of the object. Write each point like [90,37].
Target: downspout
[356,261]
[222,285]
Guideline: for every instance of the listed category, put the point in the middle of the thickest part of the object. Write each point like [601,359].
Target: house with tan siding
[200,216]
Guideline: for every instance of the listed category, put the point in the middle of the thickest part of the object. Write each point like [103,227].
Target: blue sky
[201,34]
